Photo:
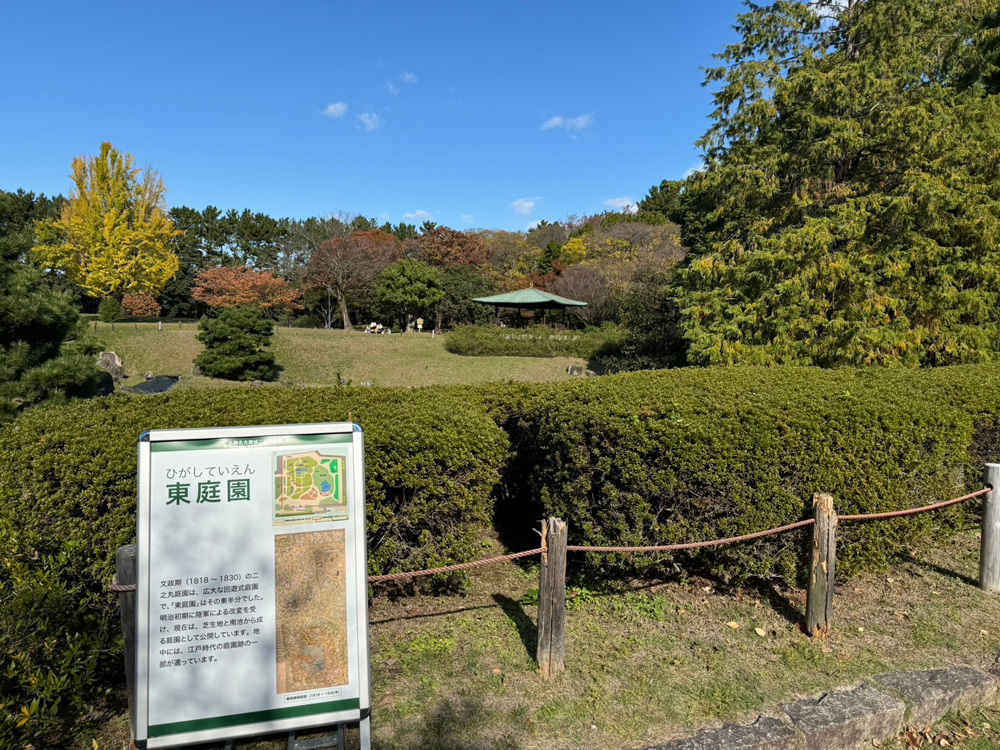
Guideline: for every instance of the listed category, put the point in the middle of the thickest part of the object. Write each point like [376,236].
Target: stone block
[846,720]
[931,694]
[764,734]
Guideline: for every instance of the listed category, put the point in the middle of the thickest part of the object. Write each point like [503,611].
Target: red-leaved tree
[346,266]
[141,305]
[444,247]
[236,286]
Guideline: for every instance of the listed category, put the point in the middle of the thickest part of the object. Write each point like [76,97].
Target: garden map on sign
[309,486]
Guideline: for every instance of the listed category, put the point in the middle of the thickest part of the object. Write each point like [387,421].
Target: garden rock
[765,733]
[575,371]
[846,720]
[149,376]
[111,363]
[931,694]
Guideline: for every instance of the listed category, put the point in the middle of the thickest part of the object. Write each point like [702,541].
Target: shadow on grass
[946,572]
[526,627]
[456,724]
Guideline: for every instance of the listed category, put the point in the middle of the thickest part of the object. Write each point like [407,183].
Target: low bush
[536,341]
[67,501]
[693,454]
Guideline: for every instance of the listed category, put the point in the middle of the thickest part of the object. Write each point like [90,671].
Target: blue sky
[472,114]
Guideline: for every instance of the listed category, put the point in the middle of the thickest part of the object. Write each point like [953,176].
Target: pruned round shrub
[67,501]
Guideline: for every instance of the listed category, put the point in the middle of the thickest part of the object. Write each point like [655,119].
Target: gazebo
[529,299]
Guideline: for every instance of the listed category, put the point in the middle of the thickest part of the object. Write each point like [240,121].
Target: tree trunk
[342,301]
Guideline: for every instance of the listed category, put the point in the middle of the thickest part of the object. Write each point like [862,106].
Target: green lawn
[319,357]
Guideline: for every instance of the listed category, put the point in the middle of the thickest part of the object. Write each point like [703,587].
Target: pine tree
[849,212]
[37,363]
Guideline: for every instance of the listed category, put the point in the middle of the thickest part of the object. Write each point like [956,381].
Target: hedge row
[643,458]
[536,341]
[67,501]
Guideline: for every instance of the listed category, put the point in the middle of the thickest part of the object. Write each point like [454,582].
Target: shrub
[109,310]
[68,487]
[658,458]
[536,341]
[236,345]
[141,305]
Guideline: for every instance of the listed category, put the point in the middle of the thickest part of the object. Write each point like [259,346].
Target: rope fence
[118,588]
[551,620]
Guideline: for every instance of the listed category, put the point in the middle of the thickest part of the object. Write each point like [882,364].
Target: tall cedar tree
[849,211]
[114,235]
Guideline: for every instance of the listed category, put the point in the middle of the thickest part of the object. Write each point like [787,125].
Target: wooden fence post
[552,599]
[822,566]
[125,563]
[989,545]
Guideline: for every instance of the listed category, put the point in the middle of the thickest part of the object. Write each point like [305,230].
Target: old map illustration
[309,486]
[311,603]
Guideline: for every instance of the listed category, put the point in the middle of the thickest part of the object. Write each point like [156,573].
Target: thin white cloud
[524,206]
[369,121]
[534,224]
[573,124]
[696,168]
[408,77]
[467,218]
[418,215]
[393,88]
[336,110]
[624,203]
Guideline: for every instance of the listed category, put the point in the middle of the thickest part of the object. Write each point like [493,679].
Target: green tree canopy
[849,212]
[38,359]
[408,289]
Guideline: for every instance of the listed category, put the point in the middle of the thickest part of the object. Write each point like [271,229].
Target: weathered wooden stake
[126,574]
[989,546]
[552,599]
[822,566]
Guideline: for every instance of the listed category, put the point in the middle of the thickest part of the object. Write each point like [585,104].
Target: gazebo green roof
[530,299]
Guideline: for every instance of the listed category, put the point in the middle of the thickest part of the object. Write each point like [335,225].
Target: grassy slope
[315,357]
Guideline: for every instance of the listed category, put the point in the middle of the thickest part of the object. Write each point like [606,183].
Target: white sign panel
[252,612]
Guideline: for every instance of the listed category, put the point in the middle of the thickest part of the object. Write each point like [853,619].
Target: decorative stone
[576,371]
[846,720]
[931,694]
[591,374]
[764,734]
[111,363]
[149,376]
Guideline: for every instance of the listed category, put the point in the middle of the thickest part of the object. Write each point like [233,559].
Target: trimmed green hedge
[643,458]
[67,501]
[535,341]
[693,454]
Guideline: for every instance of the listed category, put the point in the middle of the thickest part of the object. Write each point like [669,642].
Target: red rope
[695,545]
[453,568]
[914,511]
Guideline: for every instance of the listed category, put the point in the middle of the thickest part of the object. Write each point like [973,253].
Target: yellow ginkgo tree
[113,237]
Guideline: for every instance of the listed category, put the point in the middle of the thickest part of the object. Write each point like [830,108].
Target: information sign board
[252,610]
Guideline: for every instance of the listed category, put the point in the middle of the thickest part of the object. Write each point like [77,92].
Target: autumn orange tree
[239,286]
[346,266]
[443,247]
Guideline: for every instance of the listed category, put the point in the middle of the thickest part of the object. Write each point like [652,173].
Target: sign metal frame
[285,719]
